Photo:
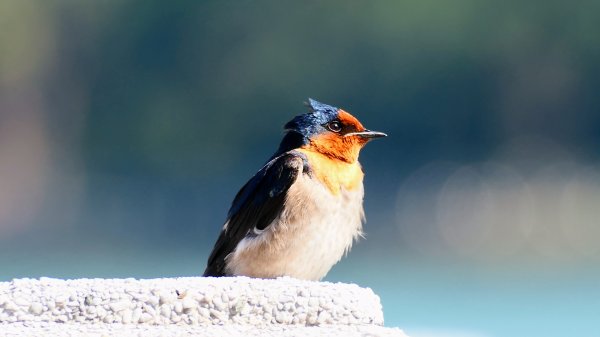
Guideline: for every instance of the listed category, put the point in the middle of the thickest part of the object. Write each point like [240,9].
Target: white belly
[313,232]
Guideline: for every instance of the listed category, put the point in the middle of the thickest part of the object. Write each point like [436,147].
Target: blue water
[424,299]
[527,300]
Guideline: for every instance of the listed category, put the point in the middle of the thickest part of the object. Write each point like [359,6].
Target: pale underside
[315,229]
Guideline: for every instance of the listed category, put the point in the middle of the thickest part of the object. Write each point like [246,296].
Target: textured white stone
[145,318]
[135,316]
[36,308]
[120,306]
[165,310]
[188,303]
[178,307]
[21,301]
[177,302]
[166,298]
[126,316]
[145,330]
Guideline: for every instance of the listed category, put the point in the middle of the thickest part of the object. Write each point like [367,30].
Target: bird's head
[328,130]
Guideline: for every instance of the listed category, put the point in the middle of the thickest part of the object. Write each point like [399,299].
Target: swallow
[301,212]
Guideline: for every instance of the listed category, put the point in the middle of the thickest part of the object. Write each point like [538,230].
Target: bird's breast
[335,174]
[312,233]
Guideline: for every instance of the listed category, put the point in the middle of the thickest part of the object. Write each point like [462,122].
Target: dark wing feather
[256,205]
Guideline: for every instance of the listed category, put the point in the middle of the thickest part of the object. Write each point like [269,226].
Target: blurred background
[127,127]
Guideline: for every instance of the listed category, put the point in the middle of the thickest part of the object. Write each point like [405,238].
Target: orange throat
[335,173]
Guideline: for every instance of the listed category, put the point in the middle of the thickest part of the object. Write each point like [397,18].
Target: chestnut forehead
[347,119]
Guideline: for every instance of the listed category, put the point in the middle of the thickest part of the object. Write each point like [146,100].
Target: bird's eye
[334,126]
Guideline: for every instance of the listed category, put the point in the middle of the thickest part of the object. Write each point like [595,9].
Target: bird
[302,211]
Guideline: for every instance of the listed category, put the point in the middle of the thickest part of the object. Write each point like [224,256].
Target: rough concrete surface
[195,306]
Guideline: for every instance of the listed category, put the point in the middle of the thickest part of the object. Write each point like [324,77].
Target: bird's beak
[368,134]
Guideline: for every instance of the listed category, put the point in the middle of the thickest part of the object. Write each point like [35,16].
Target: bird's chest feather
[321,218]
[336,175]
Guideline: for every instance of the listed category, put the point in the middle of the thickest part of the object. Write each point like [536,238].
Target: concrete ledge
[145,330]
[188,305]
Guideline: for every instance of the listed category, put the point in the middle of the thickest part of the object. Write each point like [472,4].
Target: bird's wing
[255,206]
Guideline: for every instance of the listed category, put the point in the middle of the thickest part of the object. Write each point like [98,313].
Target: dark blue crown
[302,127]
[311,123]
